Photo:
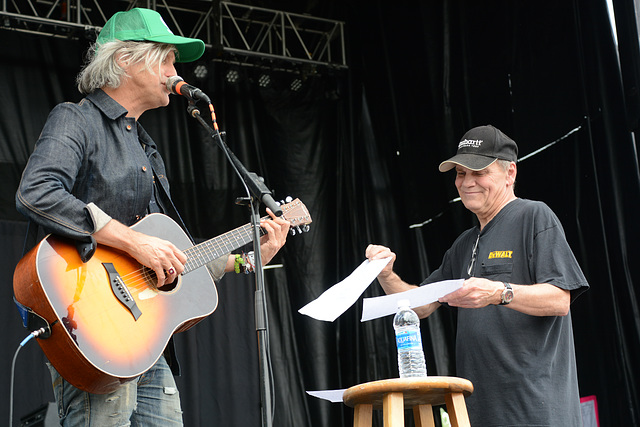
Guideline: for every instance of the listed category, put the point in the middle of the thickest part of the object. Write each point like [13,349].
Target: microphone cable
[268,369]
[268,361]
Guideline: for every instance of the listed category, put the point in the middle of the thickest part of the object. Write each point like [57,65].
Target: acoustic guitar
[108,320]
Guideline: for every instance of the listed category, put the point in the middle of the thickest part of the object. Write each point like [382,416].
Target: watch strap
[507,294]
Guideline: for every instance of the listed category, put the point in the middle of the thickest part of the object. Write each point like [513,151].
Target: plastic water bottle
[409,342]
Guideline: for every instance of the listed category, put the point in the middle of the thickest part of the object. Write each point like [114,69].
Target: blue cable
[26,340]
[13,366]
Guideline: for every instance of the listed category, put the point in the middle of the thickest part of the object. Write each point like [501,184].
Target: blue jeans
[151,399]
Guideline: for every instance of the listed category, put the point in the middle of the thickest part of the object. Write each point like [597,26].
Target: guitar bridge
[121,291]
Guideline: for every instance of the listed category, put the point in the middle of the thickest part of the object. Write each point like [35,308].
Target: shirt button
[128,127]
[144,169]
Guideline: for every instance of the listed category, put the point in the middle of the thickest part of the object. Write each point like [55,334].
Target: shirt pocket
[498,271]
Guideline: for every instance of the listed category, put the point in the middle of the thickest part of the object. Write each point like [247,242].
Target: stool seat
[396,394]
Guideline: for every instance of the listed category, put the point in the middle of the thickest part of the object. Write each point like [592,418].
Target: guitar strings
[197,256]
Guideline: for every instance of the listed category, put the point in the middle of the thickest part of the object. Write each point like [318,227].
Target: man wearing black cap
[514,336]
[95,171]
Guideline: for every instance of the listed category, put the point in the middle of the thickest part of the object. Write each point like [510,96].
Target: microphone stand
[255,186]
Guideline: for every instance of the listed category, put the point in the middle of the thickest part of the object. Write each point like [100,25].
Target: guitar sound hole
[152,281]
[167,287]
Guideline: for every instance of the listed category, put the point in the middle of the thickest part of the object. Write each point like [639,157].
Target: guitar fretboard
[205,252]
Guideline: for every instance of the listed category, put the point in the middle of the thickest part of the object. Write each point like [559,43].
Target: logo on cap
[473,143]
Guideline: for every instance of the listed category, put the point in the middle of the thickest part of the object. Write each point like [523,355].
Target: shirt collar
[113,110]
[106,104]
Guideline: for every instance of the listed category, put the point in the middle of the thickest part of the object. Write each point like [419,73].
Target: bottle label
[409,340]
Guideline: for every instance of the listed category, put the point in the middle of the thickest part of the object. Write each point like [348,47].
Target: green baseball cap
[140,24]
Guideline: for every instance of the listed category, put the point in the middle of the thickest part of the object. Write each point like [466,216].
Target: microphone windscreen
[172,82]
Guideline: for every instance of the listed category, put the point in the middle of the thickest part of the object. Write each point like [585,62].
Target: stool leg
[457,410]
[423,416]
[393,409]
[362,415]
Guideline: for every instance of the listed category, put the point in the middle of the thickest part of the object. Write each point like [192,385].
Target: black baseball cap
[480,147]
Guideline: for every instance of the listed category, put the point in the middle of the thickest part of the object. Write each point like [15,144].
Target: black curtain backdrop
[361,148]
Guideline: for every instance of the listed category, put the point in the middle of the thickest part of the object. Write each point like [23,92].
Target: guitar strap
[161,193]
[164,196]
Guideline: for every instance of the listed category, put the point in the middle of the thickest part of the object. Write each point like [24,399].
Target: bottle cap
[403,303]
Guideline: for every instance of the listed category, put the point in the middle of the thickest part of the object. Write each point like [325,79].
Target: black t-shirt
[522,367]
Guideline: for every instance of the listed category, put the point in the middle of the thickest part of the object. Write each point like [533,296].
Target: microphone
[177,86]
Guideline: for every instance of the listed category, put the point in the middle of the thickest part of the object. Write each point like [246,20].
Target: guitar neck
[209,250]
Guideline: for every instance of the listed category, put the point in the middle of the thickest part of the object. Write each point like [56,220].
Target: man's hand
[162,256]
[392,283]
[475,293]
[277,229]
[380,252]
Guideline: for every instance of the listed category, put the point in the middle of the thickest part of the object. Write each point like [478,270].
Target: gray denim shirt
[91,158]
[89,152]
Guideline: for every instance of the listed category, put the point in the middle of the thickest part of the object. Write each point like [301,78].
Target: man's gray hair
[107,62]
[504,163]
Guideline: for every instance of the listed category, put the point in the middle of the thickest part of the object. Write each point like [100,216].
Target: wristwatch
[507,295]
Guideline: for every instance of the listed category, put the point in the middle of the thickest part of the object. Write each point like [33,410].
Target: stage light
[296,84]
[200,71]
[233,76]
[264,80]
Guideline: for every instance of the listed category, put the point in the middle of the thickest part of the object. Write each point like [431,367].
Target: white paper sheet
[373,308]
[334,396]
[338,298]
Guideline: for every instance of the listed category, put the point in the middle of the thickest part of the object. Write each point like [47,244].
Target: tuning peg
[289,199]
[292,231]
[306,228]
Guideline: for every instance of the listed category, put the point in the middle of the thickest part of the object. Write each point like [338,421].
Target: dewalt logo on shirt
[500,254]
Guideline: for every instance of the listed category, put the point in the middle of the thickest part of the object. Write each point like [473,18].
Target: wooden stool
[394,395]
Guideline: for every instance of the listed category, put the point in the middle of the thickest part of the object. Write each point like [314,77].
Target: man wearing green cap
[95,171]
[514,337]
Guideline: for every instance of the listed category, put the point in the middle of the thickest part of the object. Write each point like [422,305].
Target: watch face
[507,296]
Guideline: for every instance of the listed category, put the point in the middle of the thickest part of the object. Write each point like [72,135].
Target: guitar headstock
[297,214]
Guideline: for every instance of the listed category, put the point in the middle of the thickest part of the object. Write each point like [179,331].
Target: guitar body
[96,342]
[109,322]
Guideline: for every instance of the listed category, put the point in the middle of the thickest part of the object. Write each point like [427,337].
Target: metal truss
[235,33]
[276,35]
[52,18]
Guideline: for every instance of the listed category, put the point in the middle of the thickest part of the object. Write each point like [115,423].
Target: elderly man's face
[486,191]
[150,85]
